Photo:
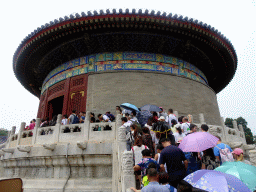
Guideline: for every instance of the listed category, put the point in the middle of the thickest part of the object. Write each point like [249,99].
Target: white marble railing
[43,131]
[14,137]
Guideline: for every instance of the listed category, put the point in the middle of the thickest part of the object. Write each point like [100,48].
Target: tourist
[178,135]
[162,113]
[194,162]
[45,122]
[239,155]
[147,139]
[32,124]
[42,122]
[118,108]
[209,161]
[105,118]
[184,186]
[133,116]
[92,114]
[64,121]
[163,128]
[145,180]
[92,120]
[193,128]
[144,162]
[53,121]
[164,181]
[153,185]
[100,118]
[170,117]
[128,119]
[82,117]
[185,125]
[137,155]
[204,128]
[111,116]
[159,149]
[173,128]
[175,161]
[73,119]
[155,117]
[149,123]
[133,134]
[127,127]
[180,120]
[218,151]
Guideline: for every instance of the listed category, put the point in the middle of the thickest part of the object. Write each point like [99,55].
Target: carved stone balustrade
[26,149]
[127,177]
[252,155]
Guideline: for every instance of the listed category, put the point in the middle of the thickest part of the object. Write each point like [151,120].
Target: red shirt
[32,126]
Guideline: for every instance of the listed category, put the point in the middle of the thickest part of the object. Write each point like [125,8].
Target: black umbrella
[151,108]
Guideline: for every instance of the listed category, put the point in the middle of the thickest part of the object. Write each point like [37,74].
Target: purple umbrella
[216,181]
[197,142]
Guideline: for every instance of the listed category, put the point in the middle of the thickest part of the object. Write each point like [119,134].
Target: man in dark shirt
[173,157]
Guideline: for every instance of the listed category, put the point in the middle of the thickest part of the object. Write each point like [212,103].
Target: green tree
[228,122]
[3,132]
[247,131]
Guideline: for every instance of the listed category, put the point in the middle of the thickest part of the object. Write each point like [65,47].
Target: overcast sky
[234,19]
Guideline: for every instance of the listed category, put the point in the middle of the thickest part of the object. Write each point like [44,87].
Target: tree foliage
[3,132]
[247,131]
[228,122]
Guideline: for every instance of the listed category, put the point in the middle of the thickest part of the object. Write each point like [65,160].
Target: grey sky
[234,19]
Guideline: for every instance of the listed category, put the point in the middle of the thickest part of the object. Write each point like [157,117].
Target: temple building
[96,61]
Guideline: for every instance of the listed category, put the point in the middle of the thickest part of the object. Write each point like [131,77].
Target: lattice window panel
[76,102]
[77,82]
[57,89]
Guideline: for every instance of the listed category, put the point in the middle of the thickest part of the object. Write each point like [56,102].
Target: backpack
[225,155]
[76,119]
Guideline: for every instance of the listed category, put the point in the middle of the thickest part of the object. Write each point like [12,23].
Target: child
[144,162]
[159,148]
[145,180]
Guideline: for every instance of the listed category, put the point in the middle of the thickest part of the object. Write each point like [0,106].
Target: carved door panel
[50,110]
[77,95]
[77,101]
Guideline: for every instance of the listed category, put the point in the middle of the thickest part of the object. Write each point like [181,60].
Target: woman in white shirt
[179,135]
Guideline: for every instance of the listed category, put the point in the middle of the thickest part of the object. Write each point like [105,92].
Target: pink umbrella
[197,142]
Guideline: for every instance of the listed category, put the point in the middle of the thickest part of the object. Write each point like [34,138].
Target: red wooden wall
[73,89]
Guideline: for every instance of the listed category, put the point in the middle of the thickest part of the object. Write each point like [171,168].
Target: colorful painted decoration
[104,62]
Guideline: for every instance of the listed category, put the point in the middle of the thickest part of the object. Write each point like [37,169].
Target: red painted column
[66,97]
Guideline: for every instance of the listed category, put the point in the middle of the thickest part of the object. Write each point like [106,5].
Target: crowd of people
[158,162]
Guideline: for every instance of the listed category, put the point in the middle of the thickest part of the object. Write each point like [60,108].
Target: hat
[161,108]
[238,151]
[162,117]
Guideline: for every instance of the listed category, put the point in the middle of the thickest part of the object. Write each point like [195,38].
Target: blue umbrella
[151,108]
[129,106]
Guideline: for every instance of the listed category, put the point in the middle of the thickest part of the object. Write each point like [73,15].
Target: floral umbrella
[216,181]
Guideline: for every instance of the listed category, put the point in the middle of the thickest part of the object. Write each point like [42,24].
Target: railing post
[201,118]
[22,128]
[127,175]
[35,131]
[56,131]
[86,126]
[225,131]
[176,113]
[13,130]
[242,132]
